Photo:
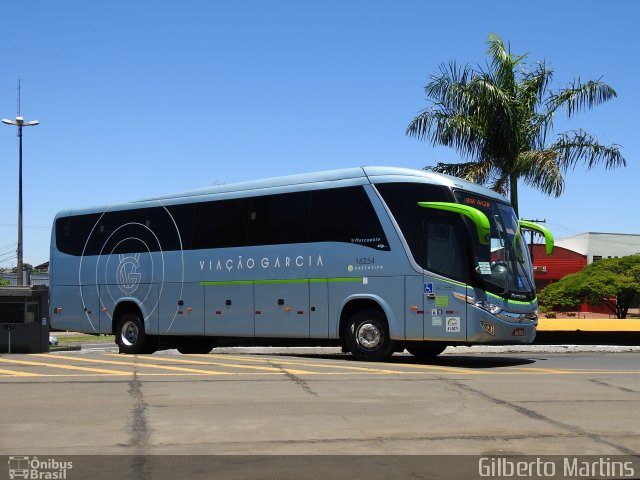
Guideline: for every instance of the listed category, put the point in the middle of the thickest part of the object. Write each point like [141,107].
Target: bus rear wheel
[367,336]
[130,335]
[426,350]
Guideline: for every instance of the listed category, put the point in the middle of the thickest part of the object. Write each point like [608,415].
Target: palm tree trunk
[513,190]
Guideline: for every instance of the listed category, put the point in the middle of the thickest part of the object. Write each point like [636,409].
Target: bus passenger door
[228,310]
[282,309]
[445,312]
[445,291]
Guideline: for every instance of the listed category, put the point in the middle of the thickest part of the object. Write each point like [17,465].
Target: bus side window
[279,219]
[220,224]
[444,250]
[72,232]
[346,215]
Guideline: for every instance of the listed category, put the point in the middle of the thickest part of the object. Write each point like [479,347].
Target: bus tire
[196,345]
[367,336]
[426,350]
[151,344]
[130,335]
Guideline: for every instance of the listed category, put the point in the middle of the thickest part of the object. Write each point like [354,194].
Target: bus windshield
[506,268]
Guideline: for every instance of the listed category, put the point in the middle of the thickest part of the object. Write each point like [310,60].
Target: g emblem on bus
[128,276]
[128,260]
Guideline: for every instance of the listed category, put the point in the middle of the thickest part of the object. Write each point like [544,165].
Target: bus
[373,259]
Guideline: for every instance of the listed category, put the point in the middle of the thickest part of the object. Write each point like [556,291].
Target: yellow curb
[588,325]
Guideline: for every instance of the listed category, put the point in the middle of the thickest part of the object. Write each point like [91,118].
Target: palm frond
[478,172]
[579,146]
[533,87]
[420,125]
[540,169]
[503,63]
[500,183]
[448,87]
[580,96]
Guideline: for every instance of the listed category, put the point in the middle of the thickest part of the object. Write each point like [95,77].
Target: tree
[27,267]
[597,283]
[498,118]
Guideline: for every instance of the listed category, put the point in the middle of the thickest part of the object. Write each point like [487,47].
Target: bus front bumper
[491,330]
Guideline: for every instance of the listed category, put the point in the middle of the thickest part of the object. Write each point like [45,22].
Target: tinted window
[402,199]
[334,215]
[346,215]
[279,219]
[128,231]
[220,224]
[72,232]
[444,247]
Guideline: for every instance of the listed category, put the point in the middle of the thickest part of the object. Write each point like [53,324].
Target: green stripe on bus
[282,282]
[514,302]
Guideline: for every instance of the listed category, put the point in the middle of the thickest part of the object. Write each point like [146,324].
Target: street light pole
[19,122]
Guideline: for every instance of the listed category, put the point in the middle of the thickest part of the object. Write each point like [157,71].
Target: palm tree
[499,119]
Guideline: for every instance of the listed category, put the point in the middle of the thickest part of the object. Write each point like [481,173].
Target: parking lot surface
[480,404]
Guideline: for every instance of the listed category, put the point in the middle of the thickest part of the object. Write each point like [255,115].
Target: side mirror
[548,236]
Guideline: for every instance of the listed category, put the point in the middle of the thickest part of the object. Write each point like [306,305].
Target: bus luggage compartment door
[414,312]
[66,309]
[90,297]
[181,309]
[282,309]
[228,310]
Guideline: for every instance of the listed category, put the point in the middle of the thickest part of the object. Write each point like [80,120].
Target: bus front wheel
[130,335]
[367,336]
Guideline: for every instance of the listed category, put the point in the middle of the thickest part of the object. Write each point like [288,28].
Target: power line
[8,248]
[563,227]
[25,226]
[8,258]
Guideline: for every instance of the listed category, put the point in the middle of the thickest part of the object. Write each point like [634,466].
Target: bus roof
[342,177]
[357,175]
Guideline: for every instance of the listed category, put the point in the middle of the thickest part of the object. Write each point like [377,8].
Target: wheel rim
[129,335]
[369,336]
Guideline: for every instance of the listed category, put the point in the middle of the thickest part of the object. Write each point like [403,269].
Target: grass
[64,348]
[75,339]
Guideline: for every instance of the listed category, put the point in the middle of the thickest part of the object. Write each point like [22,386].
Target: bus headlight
[489,307]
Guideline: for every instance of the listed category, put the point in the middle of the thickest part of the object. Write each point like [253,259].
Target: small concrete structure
[24,319]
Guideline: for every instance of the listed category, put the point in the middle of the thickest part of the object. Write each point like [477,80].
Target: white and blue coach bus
[374,259]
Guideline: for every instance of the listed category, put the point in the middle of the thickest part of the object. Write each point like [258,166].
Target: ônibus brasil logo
[35,468]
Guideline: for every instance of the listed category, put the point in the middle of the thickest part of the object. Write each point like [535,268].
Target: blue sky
[150,97]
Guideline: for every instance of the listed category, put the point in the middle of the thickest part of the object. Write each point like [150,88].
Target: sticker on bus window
[485,268]
[436,321]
